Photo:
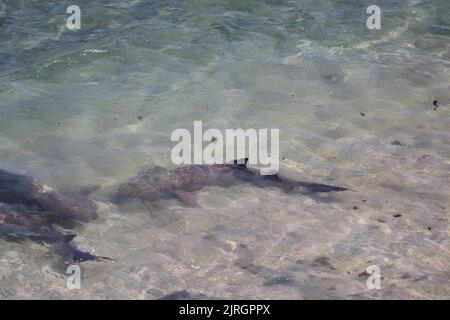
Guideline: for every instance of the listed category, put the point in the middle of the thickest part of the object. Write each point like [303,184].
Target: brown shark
[180,183]
[29,209]
[69,204]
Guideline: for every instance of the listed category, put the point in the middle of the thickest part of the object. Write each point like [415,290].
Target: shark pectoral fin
[319,188]
[76,255]
[73,254]
[186,197]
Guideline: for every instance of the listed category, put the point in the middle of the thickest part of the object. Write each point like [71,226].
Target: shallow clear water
[93,107]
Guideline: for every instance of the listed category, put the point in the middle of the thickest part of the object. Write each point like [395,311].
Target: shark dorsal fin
[241,162]
[69,237]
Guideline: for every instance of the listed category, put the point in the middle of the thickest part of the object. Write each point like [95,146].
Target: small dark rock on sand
[179,295]
[281,280]
[333,78]
[364,274]
[435,104]
[323,262]
[248,266]
[183,295]
[397,143]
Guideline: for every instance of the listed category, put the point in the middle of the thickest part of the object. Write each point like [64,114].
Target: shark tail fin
[72,253]
[319,188]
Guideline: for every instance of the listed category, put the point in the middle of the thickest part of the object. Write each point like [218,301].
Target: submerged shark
[180,183]
[70,204]
[29,209]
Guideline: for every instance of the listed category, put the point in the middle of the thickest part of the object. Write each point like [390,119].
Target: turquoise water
[94,106]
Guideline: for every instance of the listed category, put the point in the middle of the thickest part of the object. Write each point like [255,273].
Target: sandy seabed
[354,108]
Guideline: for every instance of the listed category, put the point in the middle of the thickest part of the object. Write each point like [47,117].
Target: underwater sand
[354,107]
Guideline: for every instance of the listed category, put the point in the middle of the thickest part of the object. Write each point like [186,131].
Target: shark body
[69,204]
[180,183]
[31,210]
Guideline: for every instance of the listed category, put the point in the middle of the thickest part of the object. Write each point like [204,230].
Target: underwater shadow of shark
[180,183]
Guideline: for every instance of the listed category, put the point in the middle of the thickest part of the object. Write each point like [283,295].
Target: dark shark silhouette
[69,204]
[29,209]
[180,183]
